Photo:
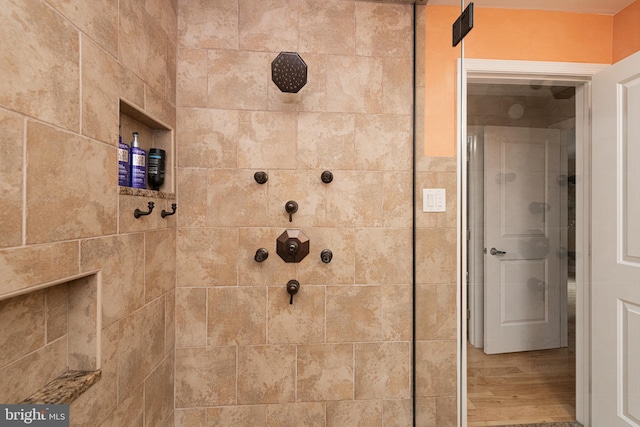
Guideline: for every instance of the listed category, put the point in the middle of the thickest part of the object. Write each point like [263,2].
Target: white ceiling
[607,7]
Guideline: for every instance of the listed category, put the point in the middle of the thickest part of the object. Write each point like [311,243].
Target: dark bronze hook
[138,213]
[165,213]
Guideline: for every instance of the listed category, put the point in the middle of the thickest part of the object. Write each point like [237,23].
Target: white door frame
[577,74]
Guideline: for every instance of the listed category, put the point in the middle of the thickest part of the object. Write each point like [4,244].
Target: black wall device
[463,25]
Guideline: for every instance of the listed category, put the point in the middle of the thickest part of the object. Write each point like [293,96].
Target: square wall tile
[23,326]
[191,78]
[381,256]
[326,141]
[354,84]
[190,417]
[353,313]
[245,415]
[160,264]
[397,312]
[305,188]
[236,315]
[205,377]
[267,140]
[235,199]
[192,195]
[296,414]
[158,394]
[383,370]
[436,368]
[354,199]
[373,150]
[341,269]
[382,28]
[191,317]
[266,374]
[208,138]
[269,25]
[300,322]
[327,27]
[354,413]
[437,261]
[206,257]
[78,197]
[208,24]
[325,372]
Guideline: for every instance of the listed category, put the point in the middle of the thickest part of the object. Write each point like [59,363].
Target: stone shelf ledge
[64,389]
[129,191]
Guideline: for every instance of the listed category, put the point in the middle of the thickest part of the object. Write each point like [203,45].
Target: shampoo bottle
[123,164]
[138,164]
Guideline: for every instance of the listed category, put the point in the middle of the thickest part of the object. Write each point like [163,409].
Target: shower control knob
[291,207]
[261,177]
[261,255]
[326,255]
[326,177]
[293,286]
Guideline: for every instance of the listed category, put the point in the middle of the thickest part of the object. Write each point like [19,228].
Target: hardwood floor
[520,388]
[523,388]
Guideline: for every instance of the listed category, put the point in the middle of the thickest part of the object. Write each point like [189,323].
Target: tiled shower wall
[341,353]
[64,66]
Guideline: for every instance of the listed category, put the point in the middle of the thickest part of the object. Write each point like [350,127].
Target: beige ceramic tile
[245,415]
[447,312]
[143,333]
[297,414]
[11,170]
[383,256]
[435,368]
[306,189]
[354,413]
[372,142]
[120,258]
[39,64]
[131,87]
[160,262]
[396,312]
[354,84]
[83,338]
[170,322]
[99,20]
[30,266]
[236,316]
[300,322]
[273,270]
[205,377]
[130,411]
[171,81]
[235,199]
[326,141]
[341,269]
[159,106]
[191,79]
[27,375]
[447,411]
[398,413]
[142,44]
[208,24]
[426,411]
[266,374]
[267,140]
[207,256]
[426,301]
[190,417]
[381,29]
[437,260]
[348,193]
[191,317]
[237,80]
[325,372]
[383,370]
[58,208]
[312,97]
[327,27]
[192,196]
[56,311]
[353,313]
[270,25]
[158,394]
[398,199]
[208,138]
[164,13]
[435,164]
[397,89]
[100,87]
[23,326]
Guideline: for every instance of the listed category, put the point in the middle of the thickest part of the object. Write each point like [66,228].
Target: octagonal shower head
[289,72]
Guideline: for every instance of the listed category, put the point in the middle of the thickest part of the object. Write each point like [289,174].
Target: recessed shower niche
[50,335]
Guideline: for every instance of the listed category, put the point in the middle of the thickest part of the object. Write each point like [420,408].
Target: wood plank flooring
[520,388]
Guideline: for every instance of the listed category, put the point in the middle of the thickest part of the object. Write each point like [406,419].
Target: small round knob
[326,177]
[326,255]
[293,247]
[261,255]
[261,177]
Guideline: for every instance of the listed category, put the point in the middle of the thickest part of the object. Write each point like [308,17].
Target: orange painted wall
[501,34]
[626,31]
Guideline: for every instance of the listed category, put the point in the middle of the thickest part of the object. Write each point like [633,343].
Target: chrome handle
[494,251]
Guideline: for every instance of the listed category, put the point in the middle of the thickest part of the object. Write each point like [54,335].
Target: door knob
[494,251]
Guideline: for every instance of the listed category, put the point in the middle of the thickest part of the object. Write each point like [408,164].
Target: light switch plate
[434,200]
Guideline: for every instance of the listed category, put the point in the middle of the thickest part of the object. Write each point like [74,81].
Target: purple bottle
[138,164]
[124,168]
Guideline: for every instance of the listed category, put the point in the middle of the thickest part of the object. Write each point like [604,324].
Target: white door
[523,178]
[615,310]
